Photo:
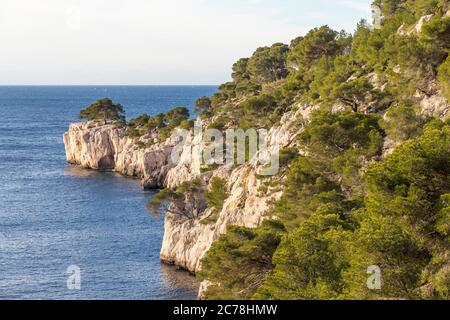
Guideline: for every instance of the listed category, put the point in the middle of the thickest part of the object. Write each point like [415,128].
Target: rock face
[186,237]
[106,147]
[190,227]
[435,106]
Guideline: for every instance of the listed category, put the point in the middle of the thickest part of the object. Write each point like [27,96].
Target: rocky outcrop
[190,227]
[187,237]
[107,147]
[189,231]
[435,106]
[416,28]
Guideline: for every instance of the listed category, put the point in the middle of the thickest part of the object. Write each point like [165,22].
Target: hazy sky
[151,41]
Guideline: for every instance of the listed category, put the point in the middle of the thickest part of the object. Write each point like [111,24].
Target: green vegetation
[401,225]
[438,31]
[217,194]
[215,198]
[203,105]
[396,230]
[317,43]
[162,199]
[287,155]
[444,77]
[166,196]
[309,260]
[268,64]
[332,134]
[403,123]
[104,109]
[345,206]
[255,106]
[239,260]
[328,67]
[163,122]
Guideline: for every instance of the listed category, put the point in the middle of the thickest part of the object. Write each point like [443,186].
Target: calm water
[53,215]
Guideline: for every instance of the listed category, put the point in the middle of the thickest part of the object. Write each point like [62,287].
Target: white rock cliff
[186,238]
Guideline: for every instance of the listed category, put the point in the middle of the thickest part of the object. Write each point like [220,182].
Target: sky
[150,42]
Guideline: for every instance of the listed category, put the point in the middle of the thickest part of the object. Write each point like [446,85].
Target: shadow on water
[182,280]
[77,171]
[53,215]
[182,284]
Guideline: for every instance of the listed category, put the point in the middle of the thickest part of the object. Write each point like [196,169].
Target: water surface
[53,215]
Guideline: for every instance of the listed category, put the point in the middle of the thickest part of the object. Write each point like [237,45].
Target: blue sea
[54,216]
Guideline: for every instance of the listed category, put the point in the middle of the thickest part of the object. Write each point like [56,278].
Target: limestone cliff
[188,234]
[186,237]
[190,227]
[107,147]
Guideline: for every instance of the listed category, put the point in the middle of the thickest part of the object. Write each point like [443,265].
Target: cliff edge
[188,233]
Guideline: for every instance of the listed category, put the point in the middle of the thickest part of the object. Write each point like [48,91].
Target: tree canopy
[202,104]
[316,43]
[267,64]
[365,182]
[104,109]
[163,122]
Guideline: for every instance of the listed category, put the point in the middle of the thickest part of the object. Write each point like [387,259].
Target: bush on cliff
[238,261]
[309,260]
[203,105]
[268,64]
[345,207]
[402,228]
[215,198]
[104,109]
[317,43]
[402,123]
[444,77]
[166,196]
[161,200]
[217,194]
[164,122]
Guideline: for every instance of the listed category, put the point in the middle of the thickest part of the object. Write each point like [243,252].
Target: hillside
[348,203]
[362,122]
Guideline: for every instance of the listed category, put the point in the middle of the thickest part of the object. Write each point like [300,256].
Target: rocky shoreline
[187,235]
[186,238]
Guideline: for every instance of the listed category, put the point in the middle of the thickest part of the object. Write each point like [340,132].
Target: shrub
[444,77]
[438,31]
[104,109]
[287,155]
[315,44]
[202,105]
[218,124]
[187,124]
[217,194]
[256,110]
[401,226]
[309,261]
[330,134]
[239,260]
[134,133]
[268,64]
[402,123]
[161,199]
[166,196]
[175,116]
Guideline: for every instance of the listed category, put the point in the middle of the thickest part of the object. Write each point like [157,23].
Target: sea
[73,233]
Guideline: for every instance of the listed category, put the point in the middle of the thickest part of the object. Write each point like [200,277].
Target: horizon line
[108,85]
